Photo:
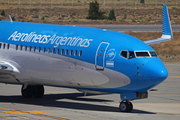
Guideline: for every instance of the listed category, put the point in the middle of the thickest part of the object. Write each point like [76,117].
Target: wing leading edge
[166,29]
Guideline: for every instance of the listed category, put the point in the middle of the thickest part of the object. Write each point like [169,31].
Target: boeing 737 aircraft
[87,59]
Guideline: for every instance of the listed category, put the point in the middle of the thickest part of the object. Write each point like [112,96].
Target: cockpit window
[142,54]
[131,54]
[127,54]
[153,54]
[124,54]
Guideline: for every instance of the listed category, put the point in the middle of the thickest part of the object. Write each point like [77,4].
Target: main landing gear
[125,106]
[29,91]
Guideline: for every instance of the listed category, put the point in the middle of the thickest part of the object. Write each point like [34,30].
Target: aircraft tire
[38,91]
[125,106]
[28,92]
[130,106]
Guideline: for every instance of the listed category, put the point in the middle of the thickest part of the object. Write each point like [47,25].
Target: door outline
[103,60]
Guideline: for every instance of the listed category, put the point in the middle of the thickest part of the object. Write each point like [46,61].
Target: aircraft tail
[167,33]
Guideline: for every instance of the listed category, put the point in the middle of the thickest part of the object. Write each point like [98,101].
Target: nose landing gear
[125,106]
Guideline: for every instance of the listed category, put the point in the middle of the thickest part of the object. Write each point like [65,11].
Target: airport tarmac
[68,104]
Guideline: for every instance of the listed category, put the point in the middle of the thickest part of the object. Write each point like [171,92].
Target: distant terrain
[76,11]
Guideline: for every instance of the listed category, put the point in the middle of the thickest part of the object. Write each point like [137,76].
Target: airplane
[35,55]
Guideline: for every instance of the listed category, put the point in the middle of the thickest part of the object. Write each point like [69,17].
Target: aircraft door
[100,55]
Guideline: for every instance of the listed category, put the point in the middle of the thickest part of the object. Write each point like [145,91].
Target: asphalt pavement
[68,104]
[134,28]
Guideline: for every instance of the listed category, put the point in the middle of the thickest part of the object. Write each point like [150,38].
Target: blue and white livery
[87,59]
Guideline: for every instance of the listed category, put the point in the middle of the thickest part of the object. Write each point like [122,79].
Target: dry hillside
[78,14]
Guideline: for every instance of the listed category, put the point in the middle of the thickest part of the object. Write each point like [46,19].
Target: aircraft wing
[166,29]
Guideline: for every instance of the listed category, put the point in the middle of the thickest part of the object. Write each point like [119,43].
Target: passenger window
[57,51]
[62,51]
[26,48]
[44,49]
[34,48]
[80,53]
[39,49]
[8,45]
[71,52]
[53,50]
[75,53]
[48,50]
[4,46]
[30,48]
[124,54]
[66,53]
[21,47]
[16,47]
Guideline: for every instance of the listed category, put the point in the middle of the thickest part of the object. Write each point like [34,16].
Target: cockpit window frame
[142,56]
[135,54]
[154,52]
[129,55]
[123,56]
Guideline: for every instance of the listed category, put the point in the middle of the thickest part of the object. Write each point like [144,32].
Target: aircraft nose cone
[155,70]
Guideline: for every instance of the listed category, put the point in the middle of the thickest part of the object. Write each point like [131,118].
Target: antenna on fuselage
[10,18]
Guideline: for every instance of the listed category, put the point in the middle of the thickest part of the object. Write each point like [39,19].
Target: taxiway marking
[174,76]
[24,112]
[38,113]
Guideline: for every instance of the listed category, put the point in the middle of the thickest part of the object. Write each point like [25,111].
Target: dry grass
[58,14]
[86,2]
[168,51]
